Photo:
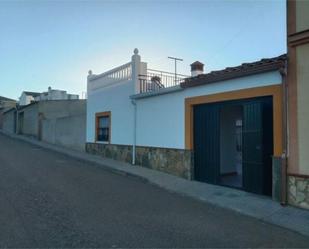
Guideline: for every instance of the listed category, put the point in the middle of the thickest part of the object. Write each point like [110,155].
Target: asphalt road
[50,200]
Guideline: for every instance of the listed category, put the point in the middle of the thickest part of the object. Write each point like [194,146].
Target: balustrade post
[136,61]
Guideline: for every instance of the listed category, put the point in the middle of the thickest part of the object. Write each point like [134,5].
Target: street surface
[50,200]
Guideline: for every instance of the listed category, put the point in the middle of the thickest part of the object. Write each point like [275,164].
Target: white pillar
[136,62]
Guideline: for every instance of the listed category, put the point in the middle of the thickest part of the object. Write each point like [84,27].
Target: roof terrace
[146,80]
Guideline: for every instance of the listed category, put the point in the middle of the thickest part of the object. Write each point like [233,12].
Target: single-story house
[225,127]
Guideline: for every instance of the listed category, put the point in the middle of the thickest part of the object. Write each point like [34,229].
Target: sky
[55,43]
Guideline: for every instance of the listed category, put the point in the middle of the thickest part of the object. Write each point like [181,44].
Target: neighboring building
[52,94]
[298,102]
[9,120]
[60,122]
[5,104]
[27,98]
[222,127]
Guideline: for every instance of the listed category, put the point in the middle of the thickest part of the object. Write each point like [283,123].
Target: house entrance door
[206,143]
[258,146]
[216,153]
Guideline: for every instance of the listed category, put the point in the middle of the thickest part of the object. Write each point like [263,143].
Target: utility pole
[175,59]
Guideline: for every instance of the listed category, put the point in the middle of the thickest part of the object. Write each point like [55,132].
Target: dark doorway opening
[233,144]
[231,118]
[20,123]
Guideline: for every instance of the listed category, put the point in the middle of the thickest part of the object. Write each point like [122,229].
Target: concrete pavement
[44,191]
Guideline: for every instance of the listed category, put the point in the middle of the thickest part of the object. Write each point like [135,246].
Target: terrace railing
[155,80]
[118,74]
[144,80]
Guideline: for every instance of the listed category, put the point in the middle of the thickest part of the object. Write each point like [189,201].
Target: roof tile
[245,69]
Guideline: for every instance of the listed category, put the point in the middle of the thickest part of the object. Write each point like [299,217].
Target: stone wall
[173,161]
[117,152]
[298,191]
[277,179]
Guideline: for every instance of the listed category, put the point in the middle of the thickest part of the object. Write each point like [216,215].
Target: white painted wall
[54,94]
[161,118]
[57,95]
[115,98]
[25,99]
[111,91]
[72,96]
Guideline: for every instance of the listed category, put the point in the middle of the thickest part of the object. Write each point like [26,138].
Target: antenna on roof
[175,59]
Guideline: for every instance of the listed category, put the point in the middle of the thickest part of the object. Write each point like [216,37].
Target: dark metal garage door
[206,143]
[257,143]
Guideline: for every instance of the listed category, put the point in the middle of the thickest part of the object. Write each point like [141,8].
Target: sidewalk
[259,207]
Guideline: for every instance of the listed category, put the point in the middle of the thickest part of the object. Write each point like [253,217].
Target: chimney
[197,68]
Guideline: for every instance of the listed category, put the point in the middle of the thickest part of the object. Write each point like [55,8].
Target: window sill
[101,142]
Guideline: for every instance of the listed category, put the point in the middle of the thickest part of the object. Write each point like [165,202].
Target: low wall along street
[173,161]
[61,122]
[9,122]
[66,131]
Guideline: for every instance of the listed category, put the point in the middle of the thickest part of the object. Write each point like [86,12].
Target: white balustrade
[116,75]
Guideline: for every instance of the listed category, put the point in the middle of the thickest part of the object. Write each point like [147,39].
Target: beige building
[298,102]
[5,104]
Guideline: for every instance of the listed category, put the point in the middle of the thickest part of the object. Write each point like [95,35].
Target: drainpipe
[136,67]
[134,132]
[284,163]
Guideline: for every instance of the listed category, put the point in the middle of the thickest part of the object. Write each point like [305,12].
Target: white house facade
[27,98]
[208,127]
[55,94]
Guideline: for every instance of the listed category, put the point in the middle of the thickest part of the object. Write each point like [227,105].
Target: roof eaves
[9,110]
[245,69]
[25,106]
[6,99]
[34,94]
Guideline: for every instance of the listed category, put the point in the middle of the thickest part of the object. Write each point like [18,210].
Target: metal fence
[156,80]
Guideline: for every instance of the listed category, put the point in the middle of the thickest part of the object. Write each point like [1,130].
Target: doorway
[233,144]
[20,123]
[231,118]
